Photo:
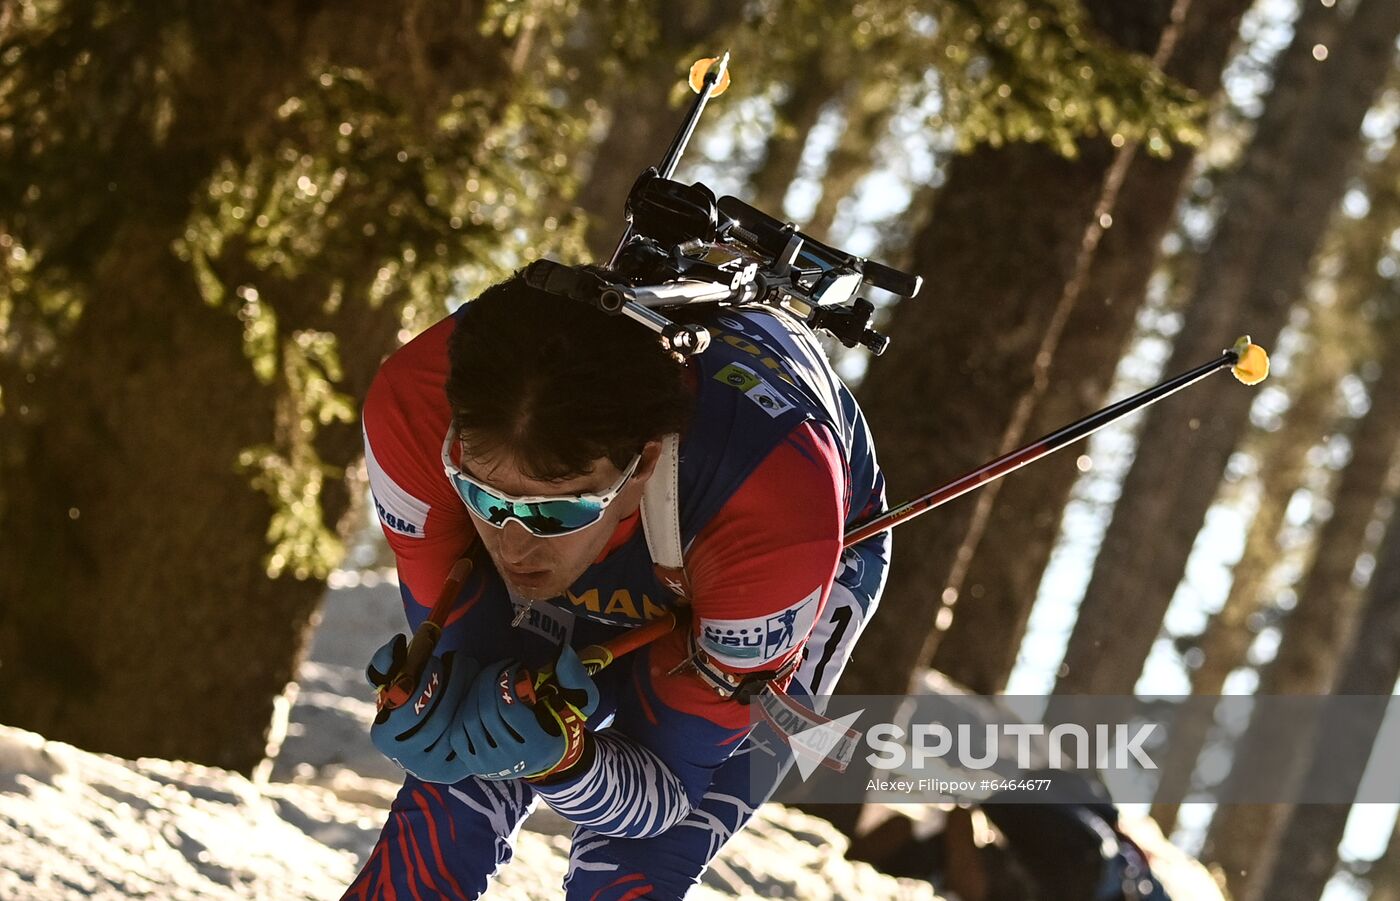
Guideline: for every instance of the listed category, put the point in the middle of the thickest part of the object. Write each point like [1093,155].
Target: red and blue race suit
[776,463]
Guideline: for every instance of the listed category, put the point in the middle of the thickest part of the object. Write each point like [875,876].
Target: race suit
[775,464]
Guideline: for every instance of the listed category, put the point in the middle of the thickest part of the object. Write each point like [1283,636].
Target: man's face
[536,568]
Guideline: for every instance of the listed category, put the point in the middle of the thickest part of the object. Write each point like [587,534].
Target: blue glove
[502,733]
[415,735]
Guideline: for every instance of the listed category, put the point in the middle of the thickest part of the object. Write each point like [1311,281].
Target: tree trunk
[1307,850]
[123,639]
[1005,251]
[1276,209]
[134,547]
[1332,351]
[1225,643]
[1242,838]
[996,594]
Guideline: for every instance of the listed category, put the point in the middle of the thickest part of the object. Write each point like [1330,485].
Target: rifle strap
[661,518]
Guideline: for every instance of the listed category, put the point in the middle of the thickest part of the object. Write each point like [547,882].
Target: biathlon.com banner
[1020,749]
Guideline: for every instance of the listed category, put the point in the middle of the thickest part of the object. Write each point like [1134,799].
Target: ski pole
[401,685]
[1248,361]
[595,657]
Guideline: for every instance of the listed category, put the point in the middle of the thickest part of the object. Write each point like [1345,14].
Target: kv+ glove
[414,735]
[500,734]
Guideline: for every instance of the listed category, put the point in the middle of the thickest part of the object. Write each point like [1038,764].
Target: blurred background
[217,219]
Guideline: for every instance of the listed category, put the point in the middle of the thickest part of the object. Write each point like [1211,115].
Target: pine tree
[639,101]
[1275,211]
[1282,465]
[873,103]
[215,220]
[809,92]
[995,595]
[1338,332]
[1307,849]
[1011,228]
[1242,838]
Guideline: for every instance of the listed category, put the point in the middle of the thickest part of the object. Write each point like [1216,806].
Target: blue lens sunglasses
[548,516]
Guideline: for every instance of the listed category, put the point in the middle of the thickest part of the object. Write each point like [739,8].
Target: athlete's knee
[619,869]
[666,866]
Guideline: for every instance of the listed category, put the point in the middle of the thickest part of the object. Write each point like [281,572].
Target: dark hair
[558,384]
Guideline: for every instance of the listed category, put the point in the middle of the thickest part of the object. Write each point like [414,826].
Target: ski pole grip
[420,650]
[525,688]
[424,641]
[402,683]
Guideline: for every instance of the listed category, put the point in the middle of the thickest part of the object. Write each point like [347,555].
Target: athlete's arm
[406,417]
[761,570]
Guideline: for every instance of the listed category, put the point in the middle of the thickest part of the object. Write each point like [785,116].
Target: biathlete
[563,451]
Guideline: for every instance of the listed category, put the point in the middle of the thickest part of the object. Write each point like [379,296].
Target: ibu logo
[760,639]
[780,634]
[746,643]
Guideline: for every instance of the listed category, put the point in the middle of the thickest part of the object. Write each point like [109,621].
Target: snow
[74,824]
[79,825]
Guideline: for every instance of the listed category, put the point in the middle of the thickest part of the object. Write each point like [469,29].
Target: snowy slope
[79,825]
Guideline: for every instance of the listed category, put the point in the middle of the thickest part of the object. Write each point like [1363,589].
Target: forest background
[216,220]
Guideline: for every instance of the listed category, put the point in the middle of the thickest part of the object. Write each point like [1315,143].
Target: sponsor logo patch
[736,376]
[399,511]
[754,388]
[750,643]
[427,695]
[395,522]
[615,605]
[500,774]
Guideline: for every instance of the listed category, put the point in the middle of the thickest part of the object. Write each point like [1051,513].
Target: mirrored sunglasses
[547,516]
